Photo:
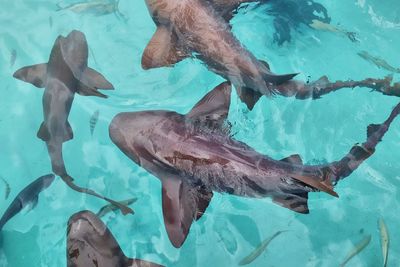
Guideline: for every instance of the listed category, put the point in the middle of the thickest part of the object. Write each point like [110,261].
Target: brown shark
[194,27]
[91,244]
[194,155]
[65,74]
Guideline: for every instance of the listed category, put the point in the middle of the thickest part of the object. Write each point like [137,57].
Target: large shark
[194,155]
[194,27]
[91,244]
[65,74]
[28,196]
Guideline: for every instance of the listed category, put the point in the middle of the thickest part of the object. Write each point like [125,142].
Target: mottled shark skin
[91,244]
[65,74]
[194,27]
[193,155]
[28,196]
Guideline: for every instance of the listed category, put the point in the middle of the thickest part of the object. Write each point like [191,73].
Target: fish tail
[360,152]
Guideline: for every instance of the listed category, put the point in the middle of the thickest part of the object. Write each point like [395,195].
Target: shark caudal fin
[338,170]
[35,74]
[90,243]
[91,81]
[163,50]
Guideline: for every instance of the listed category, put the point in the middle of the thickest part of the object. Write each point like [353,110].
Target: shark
[91,244]
[194,155]
[28,196]
[194,27]
[65,74]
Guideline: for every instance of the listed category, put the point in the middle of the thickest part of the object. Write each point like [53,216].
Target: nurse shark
[194,155]
[201,28]
[91,244]
[65,74]
[194,27]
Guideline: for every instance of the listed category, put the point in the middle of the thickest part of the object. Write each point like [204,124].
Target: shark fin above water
[213,108]
[163,50]
[35,74]
[182,204]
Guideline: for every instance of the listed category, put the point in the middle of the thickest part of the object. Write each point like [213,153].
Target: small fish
[8,188]
[28,196]
[51,22]
[357,249]
[93,121]
[13,57]
[379,62]
[319,25]
[95,7]
[111,207]
[384,240]
[257,252]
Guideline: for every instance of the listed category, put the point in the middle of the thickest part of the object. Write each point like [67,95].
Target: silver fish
[259,250]
[319,25]
[95,7]
[93,121]
[110,207]
[8,188]
[379,62]
[13,57]
[384,240]
[357,249]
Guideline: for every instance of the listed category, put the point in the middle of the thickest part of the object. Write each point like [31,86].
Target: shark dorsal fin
[163,50]
[293,159]
[182,204]
[213,107]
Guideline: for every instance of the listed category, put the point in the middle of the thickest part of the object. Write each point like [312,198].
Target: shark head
[74,50]
[47,180]
[91,244]
[129,130]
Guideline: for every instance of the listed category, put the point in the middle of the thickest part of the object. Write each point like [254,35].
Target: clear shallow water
[231,228]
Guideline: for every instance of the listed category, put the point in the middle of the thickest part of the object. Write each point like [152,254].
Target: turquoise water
[322,130]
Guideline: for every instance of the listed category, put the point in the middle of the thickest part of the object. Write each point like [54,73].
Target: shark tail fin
[91,81]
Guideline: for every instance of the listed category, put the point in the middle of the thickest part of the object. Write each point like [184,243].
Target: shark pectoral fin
[163,50]
[43,132]
[248,96]
[293,159]
[86,90]
[297,203]
[35,74]
[213,107]
[182,204]
[32,204]
[96,80]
